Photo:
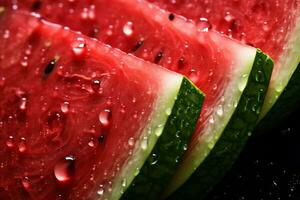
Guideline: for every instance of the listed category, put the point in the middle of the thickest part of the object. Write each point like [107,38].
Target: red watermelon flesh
[220,67]
[63,109]
[152,34]
[273,26]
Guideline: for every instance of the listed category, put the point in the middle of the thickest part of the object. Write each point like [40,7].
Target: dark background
[268,168]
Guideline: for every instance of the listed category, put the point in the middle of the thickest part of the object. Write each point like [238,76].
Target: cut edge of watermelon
[234,137]
[205,143]
[288,63]
[174,89]
[171,145]
[163,109]
[148,138]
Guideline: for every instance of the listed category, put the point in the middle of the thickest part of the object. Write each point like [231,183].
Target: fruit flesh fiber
[65,108]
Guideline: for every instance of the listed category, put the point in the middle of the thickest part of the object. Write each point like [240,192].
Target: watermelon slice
[234,77]
[271,26]
[78,119]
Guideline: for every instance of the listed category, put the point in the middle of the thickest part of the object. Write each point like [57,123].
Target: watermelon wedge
[234,77]
[271,26]
[78,119]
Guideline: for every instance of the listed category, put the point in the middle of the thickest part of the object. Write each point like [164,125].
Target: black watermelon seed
[138,45]
[94,32]
[50,67]
[158,57]
[181,63]
[171,17]
[36,5]
[101,138]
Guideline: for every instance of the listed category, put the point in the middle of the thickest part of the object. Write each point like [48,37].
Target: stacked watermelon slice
[81,119]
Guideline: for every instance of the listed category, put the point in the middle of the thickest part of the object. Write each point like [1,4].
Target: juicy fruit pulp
[273,26]
[64,102]
[199,55]
[218,66]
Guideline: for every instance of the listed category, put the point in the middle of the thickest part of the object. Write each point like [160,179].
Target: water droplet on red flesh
[105,117]
[203,24]
[128,28]
[64,170]
[79,47]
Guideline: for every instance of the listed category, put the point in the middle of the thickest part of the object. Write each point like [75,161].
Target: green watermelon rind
[165,156]
[288,62]
[285,101]
[230,143]
[159,131]
[284,106]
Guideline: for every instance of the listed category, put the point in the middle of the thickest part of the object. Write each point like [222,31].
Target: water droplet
[22,103]
[88,13]
[158,131]
[144,143]
[91,12]
[10,141]
[133,100]
[100,191]
[279,88]
[210,145]
[215,87]
[109,31]
[28,50]
[154,159]
[203,24]
[220,111]
[105,117]
[137,171]
[128,28]
[24,61]
[235,103]
[65,169]
[266,27]
[91,143]
[25,182]
[260,77]
[64,107]
[243,82]
[168,111]
[249,133]
[22,145]
[95,85]
[2,81]
[185,147]
[131,141]
[228,17]
[124,183]
[193,76]
[79,47]
[177,134]
[211,120]
[2,9]
[6,34]
[210,73]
